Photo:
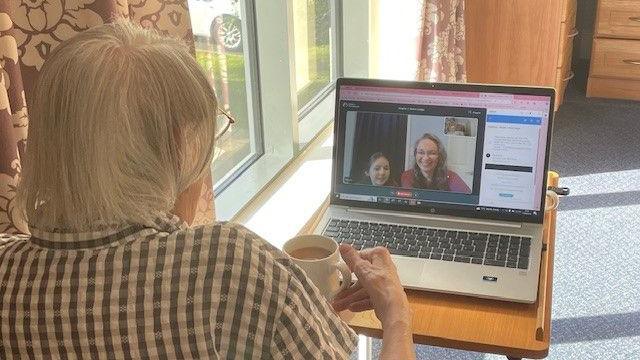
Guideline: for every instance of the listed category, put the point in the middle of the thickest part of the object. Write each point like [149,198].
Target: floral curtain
[442,44]
[29,30]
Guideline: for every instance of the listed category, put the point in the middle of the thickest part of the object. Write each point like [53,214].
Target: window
[312,32]
[395,28]
[219,32]
[273,64]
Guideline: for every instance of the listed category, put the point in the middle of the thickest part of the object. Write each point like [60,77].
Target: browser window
[452,149]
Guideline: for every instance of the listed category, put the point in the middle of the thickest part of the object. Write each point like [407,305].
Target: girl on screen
[430,168]
[379,170]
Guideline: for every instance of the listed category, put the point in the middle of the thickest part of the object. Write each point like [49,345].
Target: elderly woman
[430,168]
[122,126]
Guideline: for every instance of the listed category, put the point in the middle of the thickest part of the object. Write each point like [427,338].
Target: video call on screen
[410,154]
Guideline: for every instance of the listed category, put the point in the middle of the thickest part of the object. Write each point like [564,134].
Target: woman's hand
[378,286]
[354,299]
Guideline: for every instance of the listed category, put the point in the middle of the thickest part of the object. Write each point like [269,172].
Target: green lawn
[321,56]
[229,69]
[236,143]
[214,64]
[211,62]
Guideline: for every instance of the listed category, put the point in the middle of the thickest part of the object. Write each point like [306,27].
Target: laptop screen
[457,149]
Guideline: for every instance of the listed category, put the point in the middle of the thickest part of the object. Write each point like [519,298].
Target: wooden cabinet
[615,57]
[520,42]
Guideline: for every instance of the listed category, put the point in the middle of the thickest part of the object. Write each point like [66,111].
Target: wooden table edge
[532,353]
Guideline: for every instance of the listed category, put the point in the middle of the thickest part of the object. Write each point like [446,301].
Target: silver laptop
[449,177]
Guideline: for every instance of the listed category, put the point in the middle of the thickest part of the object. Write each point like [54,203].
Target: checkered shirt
[161,291]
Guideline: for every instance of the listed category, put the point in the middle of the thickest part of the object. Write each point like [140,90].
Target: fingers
[353,260]
[376,254]
[363,305]
[344,302]
[343,305]
[348,291]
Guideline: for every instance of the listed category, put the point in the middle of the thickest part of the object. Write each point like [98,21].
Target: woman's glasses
[223,122]
[427,153]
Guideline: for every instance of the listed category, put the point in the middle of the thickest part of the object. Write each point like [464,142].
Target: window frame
[336,60]
[254,116]
[285,131]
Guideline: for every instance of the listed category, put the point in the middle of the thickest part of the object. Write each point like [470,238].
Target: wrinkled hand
[354,299]
[378,285]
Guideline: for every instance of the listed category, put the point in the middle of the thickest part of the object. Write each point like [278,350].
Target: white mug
[323,272]
[552,201]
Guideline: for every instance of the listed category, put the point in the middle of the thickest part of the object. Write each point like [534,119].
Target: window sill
[231,201]
[262,175]
[315,119]
[287,204]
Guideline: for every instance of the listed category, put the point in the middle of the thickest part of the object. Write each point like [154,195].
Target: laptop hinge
[512,225]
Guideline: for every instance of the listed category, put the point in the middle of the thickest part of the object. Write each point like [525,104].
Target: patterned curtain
[441,48]
[29,30]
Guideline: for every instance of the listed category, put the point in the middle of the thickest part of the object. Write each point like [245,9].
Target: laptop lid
[477,151]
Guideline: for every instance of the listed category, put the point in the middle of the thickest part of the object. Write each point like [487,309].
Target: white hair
[122,121]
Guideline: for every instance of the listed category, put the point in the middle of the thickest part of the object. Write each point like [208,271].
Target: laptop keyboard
[437,244]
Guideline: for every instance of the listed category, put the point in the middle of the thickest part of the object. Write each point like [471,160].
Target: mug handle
[346,276]
[555,201]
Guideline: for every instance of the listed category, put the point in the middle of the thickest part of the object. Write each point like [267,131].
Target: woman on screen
[379,170]
[430,168]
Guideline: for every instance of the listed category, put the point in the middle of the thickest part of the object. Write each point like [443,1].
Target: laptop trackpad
[409,270]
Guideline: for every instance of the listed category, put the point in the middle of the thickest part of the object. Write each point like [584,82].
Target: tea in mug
[310,253]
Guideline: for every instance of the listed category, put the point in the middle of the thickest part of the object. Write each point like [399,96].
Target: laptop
[451,178]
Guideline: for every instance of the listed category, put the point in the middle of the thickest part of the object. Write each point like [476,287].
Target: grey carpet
[596,291]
